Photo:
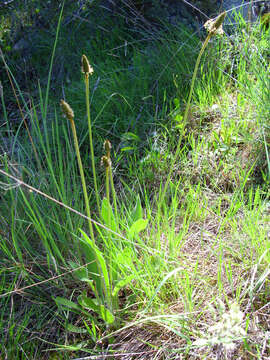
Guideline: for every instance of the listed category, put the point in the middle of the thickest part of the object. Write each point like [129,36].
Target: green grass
[165,271]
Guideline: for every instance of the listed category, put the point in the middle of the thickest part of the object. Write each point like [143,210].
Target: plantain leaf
[101,265]
[137,227]
[121,284]
[106,315]
[76,329]
[108,215]
[101,310]
[137,212]
[68,303]
[62,302]
[88,303]
[81,274]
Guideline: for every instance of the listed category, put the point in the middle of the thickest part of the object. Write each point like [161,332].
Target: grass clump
[173,261]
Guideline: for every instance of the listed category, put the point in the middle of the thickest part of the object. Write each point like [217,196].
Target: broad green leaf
[121,284]
[101,310]
[88,303]
[178,118]
[94,280]
[108,215]
[81,274]
[137,227]
[104,274]
[125,256]
[70,305]
[101,264]
[137,212]
[106,315]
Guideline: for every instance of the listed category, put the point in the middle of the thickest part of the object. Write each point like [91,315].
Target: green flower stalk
[88,70]
[67,111]
[69,114]
[107,147]
[106,162]
[214,27]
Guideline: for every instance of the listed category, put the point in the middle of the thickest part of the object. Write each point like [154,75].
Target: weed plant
[157,281]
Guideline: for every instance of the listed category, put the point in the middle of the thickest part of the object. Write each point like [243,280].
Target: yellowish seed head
[106,162]
[214,26]
[86,67]
[107,147]
[68,112]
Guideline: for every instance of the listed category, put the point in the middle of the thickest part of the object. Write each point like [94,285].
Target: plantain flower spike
[68,112]
[214,26]
[86,67]
[106,162]
[107,147]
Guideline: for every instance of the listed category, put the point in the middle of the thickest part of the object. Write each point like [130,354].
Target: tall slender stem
[68,112]
[214,27]
[91,140]
[86,200]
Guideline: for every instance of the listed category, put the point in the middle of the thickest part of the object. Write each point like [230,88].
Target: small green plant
[100,282]
[101,276]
